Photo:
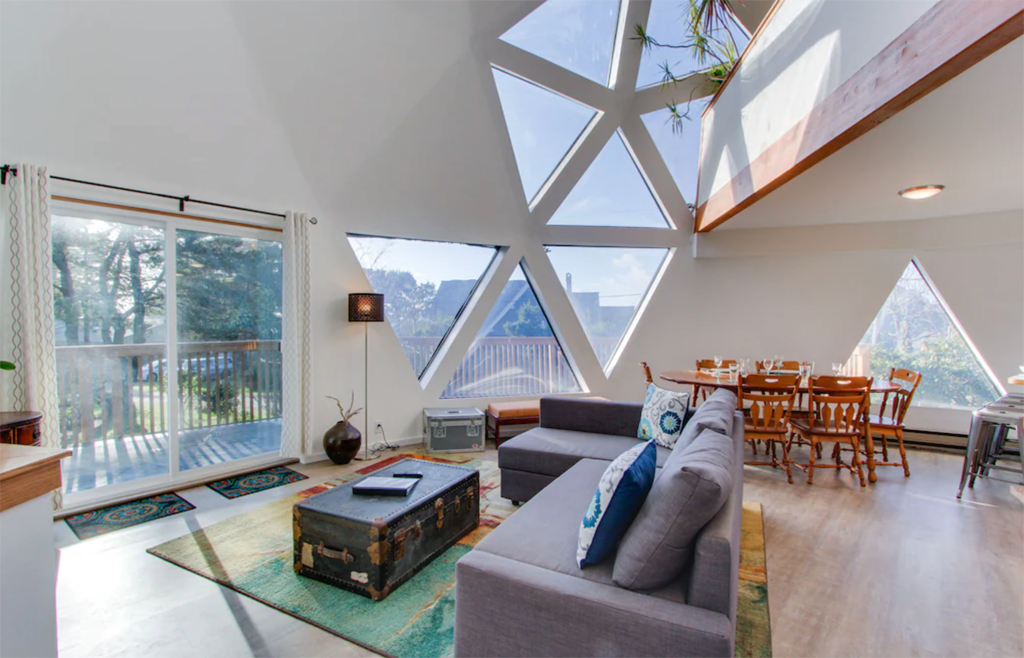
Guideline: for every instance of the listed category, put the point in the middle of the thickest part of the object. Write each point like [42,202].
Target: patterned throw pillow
[620,493]
[662,417]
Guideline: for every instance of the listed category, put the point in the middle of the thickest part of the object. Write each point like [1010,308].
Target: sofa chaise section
[570,430]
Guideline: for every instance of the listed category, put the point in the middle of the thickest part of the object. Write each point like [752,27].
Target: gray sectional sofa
[520,592]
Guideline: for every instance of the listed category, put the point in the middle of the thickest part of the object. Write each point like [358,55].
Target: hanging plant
[710,40]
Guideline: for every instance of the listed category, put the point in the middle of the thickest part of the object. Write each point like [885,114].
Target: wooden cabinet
[20,427]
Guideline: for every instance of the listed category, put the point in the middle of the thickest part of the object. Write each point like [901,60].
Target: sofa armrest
[594,416]
[509,608]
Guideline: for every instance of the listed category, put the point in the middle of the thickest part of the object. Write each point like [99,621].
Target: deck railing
[511,366]
[112,391]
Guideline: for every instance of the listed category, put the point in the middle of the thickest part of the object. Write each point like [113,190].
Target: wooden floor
[899,568]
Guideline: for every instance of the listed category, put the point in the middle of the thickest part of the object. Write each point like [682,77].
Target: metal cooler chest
[454,430]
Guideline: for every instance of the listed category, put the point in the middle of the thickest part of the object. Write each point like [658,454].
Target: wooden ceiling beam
[948,39]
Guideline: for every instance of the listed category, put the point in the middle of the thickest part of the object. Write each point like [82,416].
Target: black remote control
[416,476]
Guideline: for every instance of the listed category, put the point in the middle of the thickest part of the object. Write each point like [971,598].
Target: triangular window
[915,330]
[426,286]
[669,24]
[679,145]
[578,35]
[542,125]
[515,352]
[607,287]
[612,192]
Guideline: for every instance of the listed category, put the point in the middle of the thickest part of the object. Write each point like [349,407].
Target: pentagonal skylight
[668,24]
[542,125]
[549,131]
[612,192]
[679,145]
[578,35]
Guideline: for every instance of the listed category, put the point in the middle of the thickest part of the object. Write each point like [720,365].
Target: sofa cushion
[663,415]
[545,531]
[716,413]
[619,495]
[692,487]
[552,452]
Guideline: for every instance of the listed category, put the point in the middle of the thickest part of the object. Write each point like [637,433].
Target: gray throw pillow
[693,485]
[716,413]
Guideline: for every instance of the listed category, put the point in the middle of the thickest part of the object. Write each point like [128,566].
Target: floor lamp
[366,307]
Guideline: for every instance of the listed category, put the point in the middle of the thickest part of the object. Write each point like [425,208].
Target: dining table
[701,379]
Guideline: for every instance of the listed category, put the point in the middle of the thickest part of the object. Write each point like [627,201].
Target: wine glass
[768,363]
[718,365]
[837,369]
[744,365]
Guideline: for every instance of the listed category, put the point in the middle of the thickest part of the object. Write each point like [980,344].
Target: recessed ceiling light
[921,191]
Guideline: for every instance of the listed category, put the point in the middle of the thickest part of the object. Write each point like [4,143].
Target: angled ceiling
[966,135]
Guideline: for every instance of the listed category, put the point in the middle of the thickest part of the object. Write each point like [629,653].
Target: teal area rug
[250,483]
[116,517]
[252,554]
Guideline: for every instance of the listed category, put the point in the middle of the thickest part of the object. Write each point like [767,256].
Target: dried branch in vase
[346,414]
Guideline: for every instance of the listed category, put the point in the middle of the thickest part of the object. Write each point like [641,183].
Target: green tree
[530,321]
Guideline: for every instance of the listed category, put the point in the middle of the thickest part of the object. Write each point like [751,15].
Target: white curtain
[297,422]
[28,334]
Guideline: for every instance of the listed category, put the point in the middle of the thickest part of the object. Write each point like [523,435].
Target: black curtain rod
[13,171]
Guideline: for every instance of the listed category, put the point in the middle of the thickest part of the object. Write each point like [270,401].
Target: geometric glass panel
[914,331]
[578,35]
[425,284]
[680,149]
[612,192]
[668,23]
[515,352]
[606,286]
[542,126]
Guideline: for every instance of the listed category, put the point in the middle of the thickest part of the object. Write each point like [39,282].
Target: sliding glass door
[168,349]
[229,357]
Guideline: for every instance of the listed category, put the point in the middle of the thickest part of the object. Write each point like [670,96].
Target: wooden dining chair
[647,372]
[888,423]
[767,401]
[707,364]
[837,413]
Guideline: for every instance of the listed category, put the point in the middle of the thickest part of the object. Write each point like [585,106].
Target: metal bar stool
[987,442]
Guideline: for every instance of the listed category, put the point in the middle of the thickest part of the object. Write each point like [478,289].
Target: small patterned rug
[252,554]
[250,483]
[109,519]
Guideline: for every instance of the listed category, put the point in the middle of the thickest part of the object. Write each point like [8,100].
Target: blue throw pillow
[663,416]
[620,493]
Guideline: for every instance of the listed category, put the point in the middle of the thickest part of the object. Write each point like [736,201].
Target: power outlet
[378,427]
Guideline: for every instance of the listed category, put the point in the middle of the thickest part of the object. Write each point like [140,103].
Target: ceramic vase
[342,442]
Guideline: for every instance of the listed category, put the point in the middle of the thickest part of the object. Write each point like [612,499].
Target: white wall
[280,107]
[807,50]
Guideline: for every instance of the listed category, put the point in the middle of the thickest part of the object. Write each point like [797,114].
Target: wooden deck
[113,461]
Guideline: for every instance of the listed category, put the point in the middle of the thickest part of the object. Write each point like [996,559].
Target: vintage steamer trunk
[372,544]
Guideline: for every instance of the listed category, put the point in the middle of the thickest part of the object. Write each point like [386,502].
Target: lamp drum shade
[365,307]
